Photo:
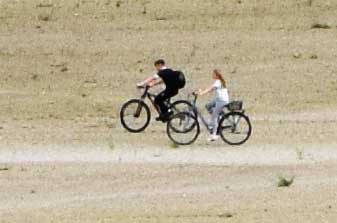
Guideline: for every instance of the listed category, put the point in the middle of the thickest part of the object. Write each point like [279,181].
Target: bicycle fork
[139,109]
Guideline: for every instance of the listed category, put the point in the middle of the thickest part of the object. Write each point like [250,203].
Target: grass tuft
[4,168]
[320,26]
[174,145]
[313,56]
[297,55]
[44,17]
[225,215]
[284,182]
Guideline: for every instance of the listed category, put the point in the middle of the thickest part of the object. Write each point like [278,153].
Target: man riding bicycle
[173,80]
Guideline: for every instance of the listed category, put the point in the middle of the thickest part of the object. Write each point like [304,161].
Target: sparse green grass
[174,145]
[285,182]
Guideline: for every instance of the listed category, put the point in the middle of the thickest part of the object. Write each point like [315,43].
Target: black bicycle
[135,114]
[234,126]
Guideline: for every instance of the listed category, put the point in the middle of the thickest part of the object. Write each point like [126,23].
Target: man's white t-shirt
[221,93]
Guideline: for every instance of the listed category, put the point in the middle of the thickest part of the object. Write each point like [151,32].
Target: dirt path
[161,192]
[253,155]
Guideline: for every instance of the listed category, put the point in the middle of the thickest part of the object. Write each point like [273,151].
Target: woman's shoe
[213,138]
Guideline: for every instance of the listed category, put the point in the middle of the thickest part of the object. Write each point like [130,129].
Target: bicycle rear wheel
[135,116]
[235,128]
[183,128]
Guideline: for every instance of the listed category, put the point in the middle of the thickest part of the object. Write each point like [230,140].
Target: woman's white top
[221,93]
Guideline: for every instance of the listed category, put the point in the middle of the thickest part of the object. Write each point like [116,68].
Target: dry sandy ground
[68,65]
[126,181]
[128,192]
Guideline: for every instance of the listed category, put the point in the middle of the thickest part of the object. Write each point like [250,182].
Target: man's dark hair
[159,62]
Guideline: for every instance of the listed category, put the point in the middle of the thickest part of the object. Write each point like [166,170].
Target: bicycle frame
[197,111]
[151,97]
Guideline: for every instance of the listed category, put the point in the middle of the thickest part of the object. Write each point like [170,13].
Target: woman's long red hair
[220,77]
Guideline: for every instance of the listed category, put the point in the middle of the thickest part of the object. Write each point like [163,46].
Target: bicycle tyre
[188,105]
[140,105]
[221,128]
[170,130]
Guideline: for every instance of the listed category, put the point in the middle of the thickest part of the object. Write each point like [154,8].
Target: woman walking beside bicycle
[221,99]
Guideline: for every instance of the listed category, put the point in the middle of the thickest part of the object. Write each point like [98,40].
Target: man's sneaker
[213,138]
[165,117]
[159,119]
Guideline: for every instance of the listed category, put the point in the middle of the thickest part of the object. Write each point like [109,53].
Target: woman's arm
[207,90]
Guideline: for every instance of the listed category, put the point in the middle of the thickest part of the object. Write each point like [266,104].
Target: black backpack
[180,79]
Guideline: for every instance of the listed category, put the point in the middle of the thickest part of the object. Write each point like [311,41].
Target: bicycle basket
[235,106]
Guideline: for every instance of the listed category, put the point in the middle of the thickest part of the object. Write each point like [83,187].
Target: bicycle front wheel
[135,116]
[182,106]
[183,128]
[235,128]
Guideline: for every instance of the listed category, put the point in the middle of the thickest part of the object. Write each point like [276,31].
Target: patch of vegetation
[64,69]
[118,4]
[34,77]
[225,215]
[44,5]
[44,17]
[284,182]
[160,18]
[297,55]
[47,15]
[320,26]
[314,57]
[174,145]
[4,168]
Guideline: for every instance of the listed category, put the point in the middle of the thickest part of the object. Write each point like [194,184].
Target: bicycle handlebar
[142,87]
[146,89]
[195,95]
